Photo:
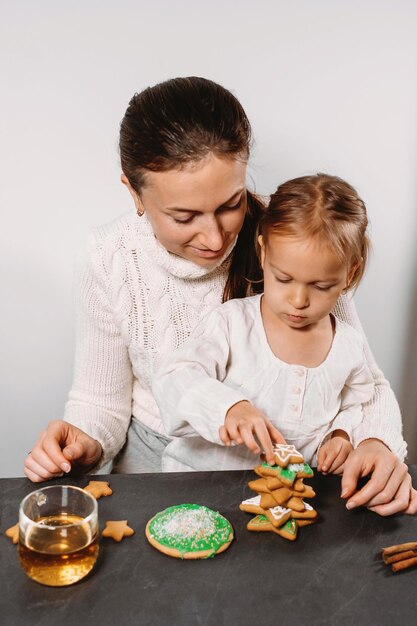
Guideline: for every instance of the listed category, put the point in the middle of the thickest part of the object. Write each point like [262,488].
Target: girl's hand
[333,453]
[59,447]
[243,423]
[389,489]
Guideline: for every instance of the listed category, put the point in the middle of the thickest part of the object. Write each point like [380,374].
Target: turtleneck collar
[171,263]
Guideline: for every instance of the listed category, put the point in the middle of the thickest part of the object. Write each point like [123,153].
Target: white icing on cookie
[278,512]
[256,501]
[284,452]
[296,467]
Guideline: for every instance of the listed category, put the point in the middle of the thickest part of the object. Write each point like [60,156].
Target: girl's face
[198,211]
[302,280]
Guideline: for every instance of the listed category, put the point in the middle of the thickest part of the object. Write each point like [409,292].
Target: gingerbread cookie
[305,522]
[252,505]
[306,492]
[285,454]
[259,523]
[278,515]
[13,533]
[307,513]
[98,488]
[267,501]
[281,495]
[260,485]
[117,530]
[285,475]
[298,484]
[288,530]
[301,470]
[273,482]
[189,531]
[265,470]
[295,504]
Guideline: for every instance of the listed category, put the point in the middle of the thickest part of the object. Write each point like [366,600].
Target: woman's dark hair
[181,121]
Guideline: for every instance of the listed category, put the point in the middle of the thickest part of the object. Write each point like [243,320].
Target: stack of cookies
[279,504]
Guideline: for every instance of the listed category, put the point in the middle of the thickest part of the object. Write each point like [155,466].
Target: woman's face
[198,211]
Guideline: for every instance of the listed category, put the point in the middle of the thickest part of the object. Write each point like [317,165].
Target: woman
[148,278]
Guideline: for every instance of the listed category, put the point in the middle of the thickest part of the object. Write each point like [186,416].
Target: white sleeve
[358,389]
[381,414]
[188,386]
[100,399]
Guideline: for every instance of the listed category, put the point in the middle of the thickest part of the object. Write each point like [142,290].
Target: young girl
[278,365]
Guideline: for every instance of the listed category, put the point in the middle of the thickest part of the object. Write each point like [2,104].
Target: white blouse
[228,359]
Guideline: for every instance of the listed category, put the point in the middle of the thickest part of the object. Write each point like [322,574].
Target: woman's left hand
[389,489]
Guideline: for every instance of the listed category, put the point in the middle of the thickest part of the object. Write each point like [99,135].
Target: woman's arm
[100,399]
[380,447]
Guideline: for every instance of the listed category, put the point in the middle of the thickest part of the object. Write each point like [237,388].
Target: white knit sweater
[136,303]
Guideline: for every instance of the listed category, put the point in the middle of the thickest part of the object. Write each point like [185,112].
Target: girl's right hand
[243,423]
[59,447]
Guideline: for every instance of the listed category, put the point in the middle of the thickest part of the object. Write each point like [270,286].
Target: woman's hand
[243,423]
[58,448]
[333,453]
[389,489]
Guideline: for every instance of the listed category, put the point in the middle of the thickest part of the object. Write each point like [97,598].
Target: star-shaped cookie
[13,533]
[117,530]
[98,488]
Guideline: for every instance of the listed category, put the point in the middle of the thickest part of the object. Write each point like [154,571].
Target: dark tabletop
[332,573]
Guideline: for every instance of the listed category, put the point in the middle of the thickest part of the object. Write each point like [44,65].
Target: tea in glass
[58,535]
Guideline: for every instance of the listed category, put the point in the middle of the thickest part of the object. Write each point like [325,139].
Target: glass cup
[58,534]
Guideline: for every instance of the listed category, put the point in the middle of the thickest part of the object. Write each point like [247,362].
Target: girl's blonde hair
[324,208]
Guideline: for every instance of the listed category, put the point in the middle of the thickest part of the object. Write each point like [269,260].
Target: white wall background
[328,85]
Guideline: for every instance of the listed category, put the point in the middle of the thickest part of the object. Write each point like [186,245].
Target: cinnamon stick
[401,547]
[400,556]
[405,564]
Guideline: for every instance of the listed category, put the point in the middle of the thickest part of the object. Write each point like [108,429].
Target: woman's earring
[140,213]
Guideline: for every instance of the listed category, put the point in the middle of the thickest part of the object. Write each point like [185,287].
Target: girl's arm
[100,399]
[188,385]
[358,390]
[335,446]
[193,398]
[382,417]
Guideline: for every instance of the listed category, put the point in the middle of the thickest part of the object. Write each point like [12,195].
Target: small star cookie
[13,533]
[117,530]
[285,454]
[98,488]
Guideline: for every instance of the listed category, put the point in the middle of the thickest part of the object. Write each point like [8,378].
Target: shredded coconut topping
[188,524]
